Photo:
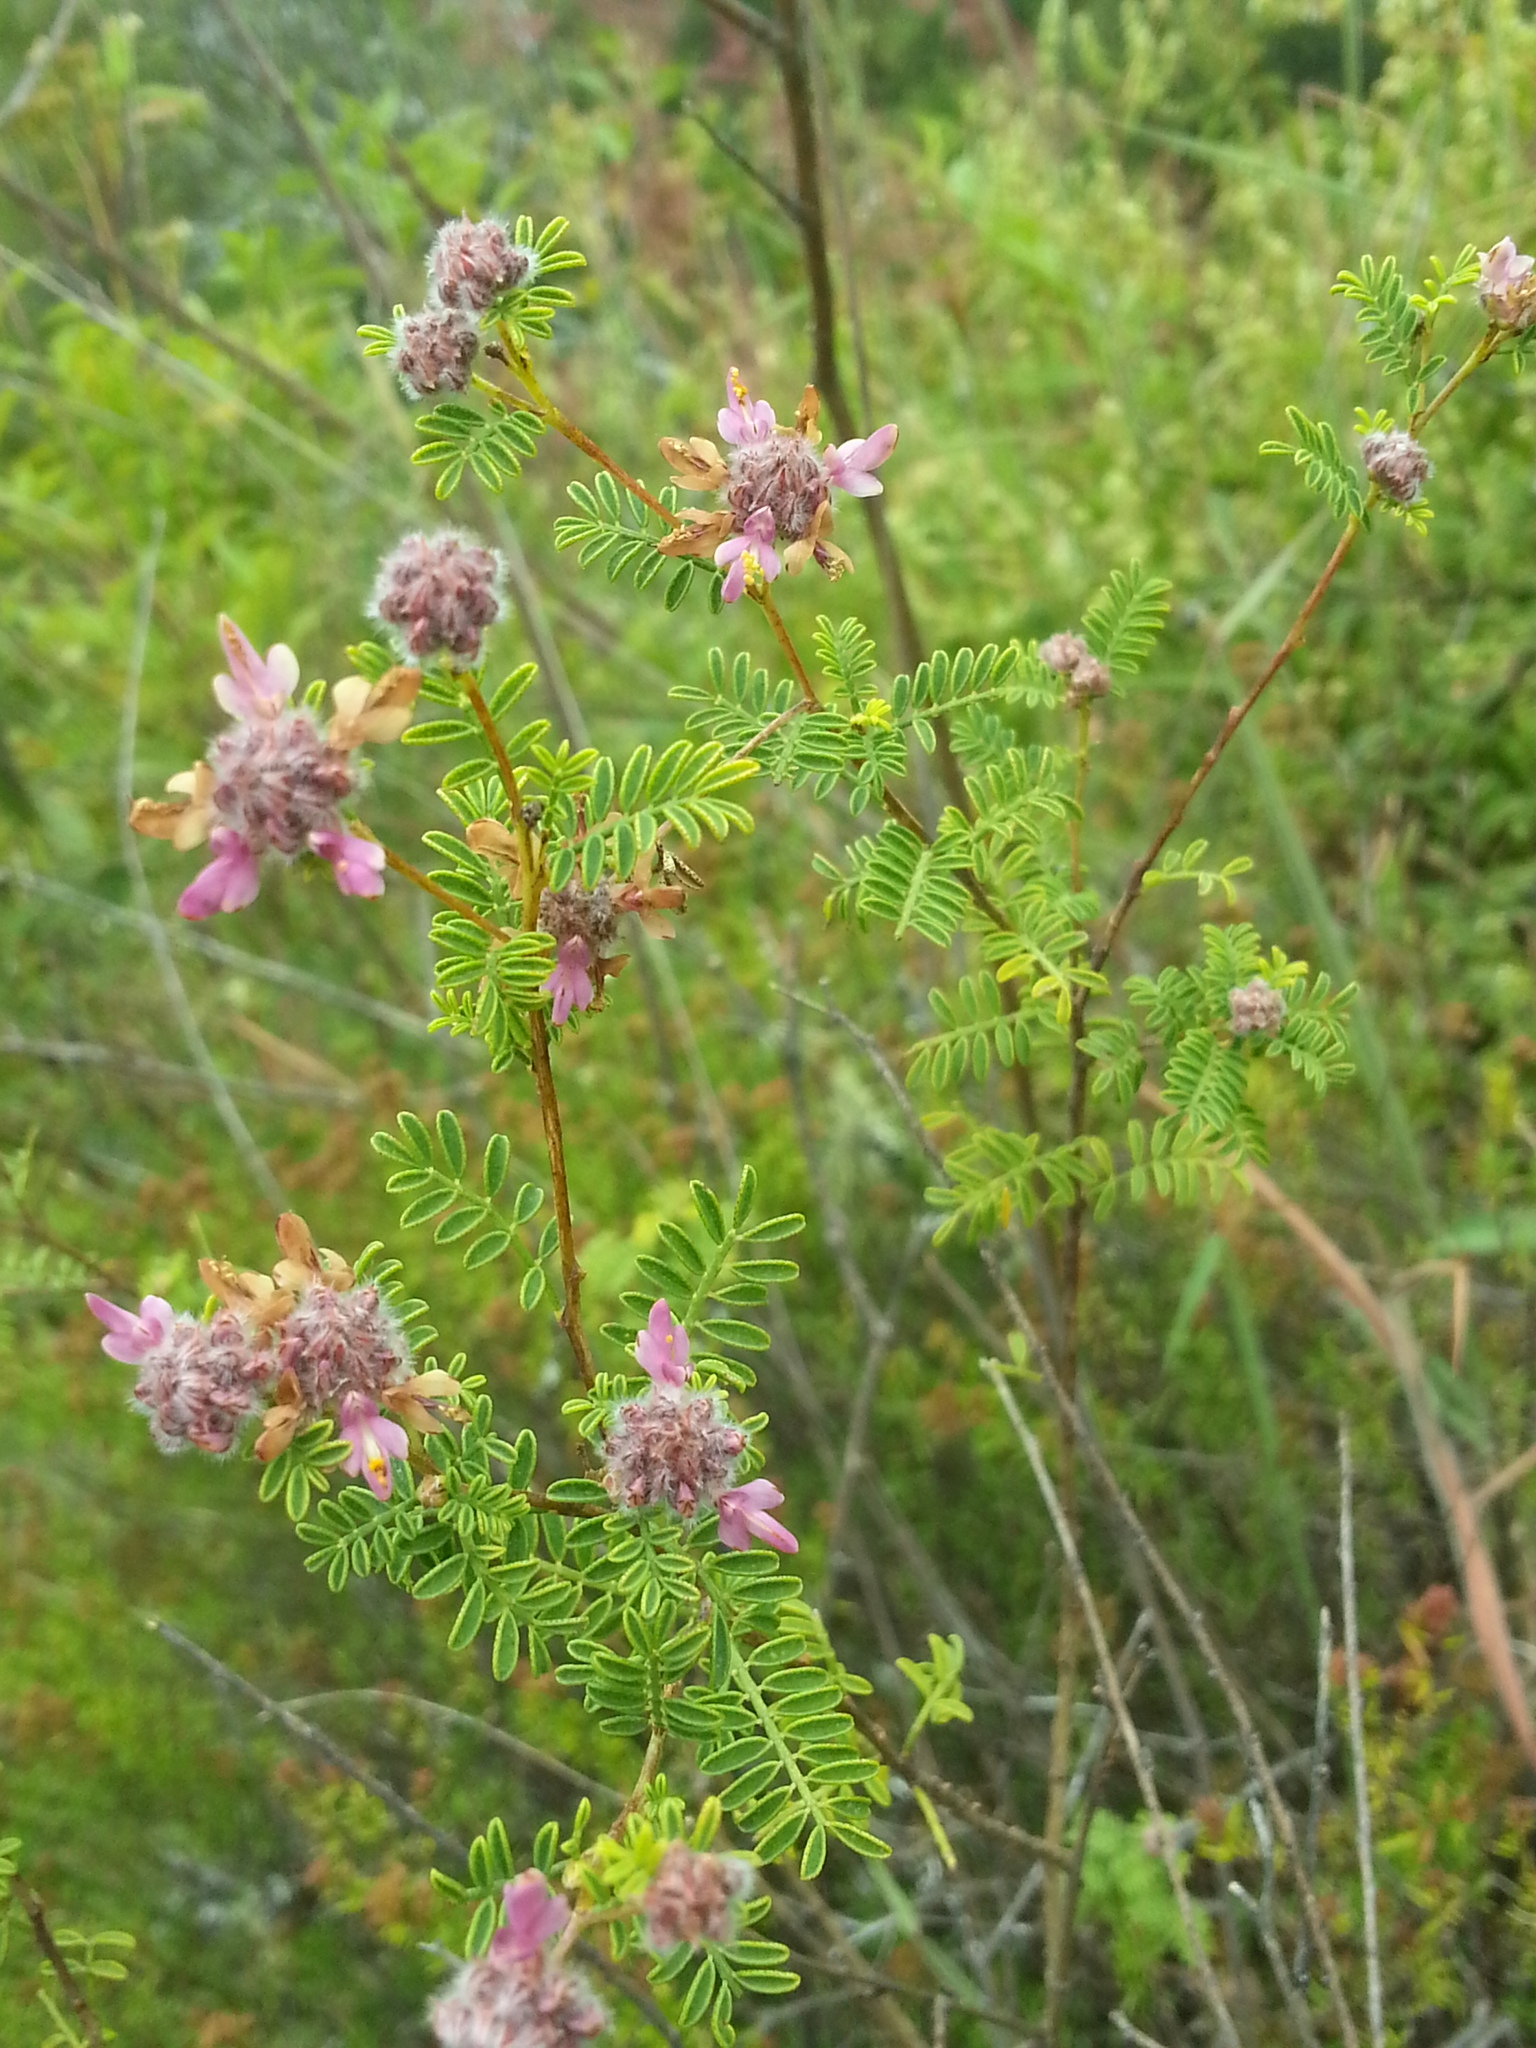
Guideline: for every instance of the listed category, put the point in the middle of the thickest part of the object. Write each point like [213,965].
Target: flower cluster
[1069,655]
[680,1450]
[1506,287]
[471,265]
[307,1337]
[582,923]
[775,487]
[1255,1008]
[1396,464]
[274,781]
[439,591]
[518,1995]
[693,1898]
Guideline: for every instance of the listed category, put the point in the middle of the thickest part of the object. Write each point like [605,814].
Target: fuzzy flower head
[1506,289]
[340,1343]
[1062,652]
[372,1440]
[439,591]
[662,1348]
[1255,1008]
[671,1449]
[434,350]
[693,1898]
[1396,464]
[775,485]
[472,263]
[744,1514]
[274,781]
[1069,655]
[196,1382]
[495,2003]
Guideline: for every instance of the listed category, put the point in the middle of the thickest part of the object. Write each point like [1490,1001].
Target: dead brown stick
[949,1796]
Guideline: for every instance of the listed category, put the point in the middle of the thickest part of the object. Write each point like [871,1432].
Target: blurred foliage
[1092,247]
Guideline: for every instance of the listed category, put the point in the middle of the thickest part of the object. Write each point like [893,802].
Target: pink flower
[358,864]
[743,419]
[374,1440]
[130,1338]
[534,1913]
[254,688]
[671,1449]
[693,1898]
[230,880]
[753,544]
[848,463]
[744,1514]
[570,984]
[1506,289]
[662,1347]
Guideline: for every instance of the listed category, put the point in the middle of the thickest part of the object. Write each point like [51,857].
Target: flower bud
[693,1898]
[473,262]
[439,591]
[1396,464]
[434,350]
[1255,1008]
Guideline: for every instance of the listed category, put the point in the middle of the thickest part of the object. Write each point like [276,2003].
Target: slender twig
[1319,1783]
[147,287]
[73,1052]
[500,1738]
[1104,944]
[613,1973]
[650,1764]
[1263,1912]
[944,1794]
[571,1274]
[1189,1613]
[251,1154]
[1114,1694]
[810,1904]
[790,652]
[1510,1475]
[316,1738]
[1357,1739]
[1133,2034]
[748,20]
[425,883]
[520,363]
[359,240]
[48,1948]
[42,54]
[760,178]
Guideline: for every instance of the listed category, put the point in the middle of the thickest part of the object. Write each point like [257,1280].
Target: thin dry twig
[1114,1694]
[41,55]
[1357,1739]
[1319,1781]
[48,1948]
[315,1738]
[944,1794]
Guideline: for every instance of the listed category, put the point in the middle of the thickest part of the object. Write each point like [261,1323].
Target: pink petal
[662,1347]
[254,688]
[730,550]
[858,485]
[744,1514]
[570,984]
[533,1914]
[131,1337]
[736,580]
[229,882]
[358,864]
[758,528]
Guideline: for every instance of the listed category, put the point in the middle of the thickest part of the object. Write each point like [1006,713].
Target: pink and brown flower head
[439,591]
[693,1898]
[1506,286]
[473,263]
[274,782]
[519,1994]
[775,485]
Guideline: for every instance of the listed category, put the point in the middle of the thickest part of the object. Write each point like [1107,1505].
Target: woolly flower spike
[439,591]
[197,1381]
[373,1439]
[693,1898]
[1070,656]
[775,485]
[1506,289]
[662,1347]
[1255,1007]
[335,1347]
[273,782]
[515,1996]
[1396,464]
[670,1449]
[744,1514]
[472,263]
[569,985]
[434,350]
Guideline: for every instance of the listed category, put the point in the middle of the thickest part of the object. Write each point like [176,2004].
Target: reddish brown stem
[426,884]
[791,653]
[1223,740]
[53,1955]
